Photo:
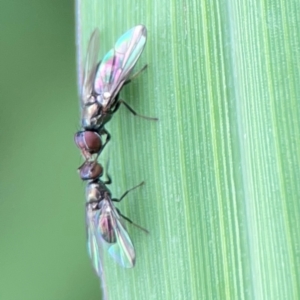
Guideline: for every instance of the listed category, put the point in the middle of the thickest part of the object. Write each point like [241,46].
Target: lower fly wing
[95,251]
[117,242]
[123,250]
[99,221]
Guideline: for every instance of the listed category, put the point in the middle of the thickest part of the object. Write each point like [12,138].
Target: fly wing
[113,236]
[117,64]
[90,67]
[123,250]
[94,248]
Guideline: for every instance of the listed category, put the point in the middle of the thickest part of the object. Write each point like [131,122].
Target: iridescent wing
[113,236]
[123,250]
[117,64]
[91,63]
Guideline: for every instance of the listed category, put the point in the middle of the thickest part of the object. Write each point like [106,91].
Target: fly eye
[88,140]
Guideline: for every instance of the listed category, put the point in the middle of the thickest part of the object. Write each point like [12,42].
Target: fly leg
[119,102]
[103,131]
[125,194]
[136,74]
[131,110]
[134,224]
[124,217]
[108,181]
[108,136]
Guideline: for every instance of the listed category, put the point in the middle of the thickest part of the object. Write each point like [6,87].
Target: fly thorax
[92,192]
[88,114]
[108,210]
[91,207]
[103,189]
[89,100]
[105,99]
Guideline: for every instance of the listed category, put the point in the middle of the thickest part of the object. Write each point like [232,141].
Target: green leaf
[221,165]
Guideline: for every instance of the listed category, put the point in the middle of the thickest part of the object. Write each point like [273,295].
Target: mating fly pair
[101,84]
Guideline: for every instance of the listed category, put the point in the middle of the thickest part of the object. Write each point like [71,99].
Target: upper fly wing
[90,67]
[117,64]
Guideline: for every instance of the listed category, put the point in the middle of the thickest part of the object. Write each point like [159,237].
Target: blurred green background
[223,218]
[42,249]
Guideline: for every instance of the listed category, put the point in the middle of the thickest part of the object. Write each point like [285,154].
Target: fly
[101,85]
[104,223]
